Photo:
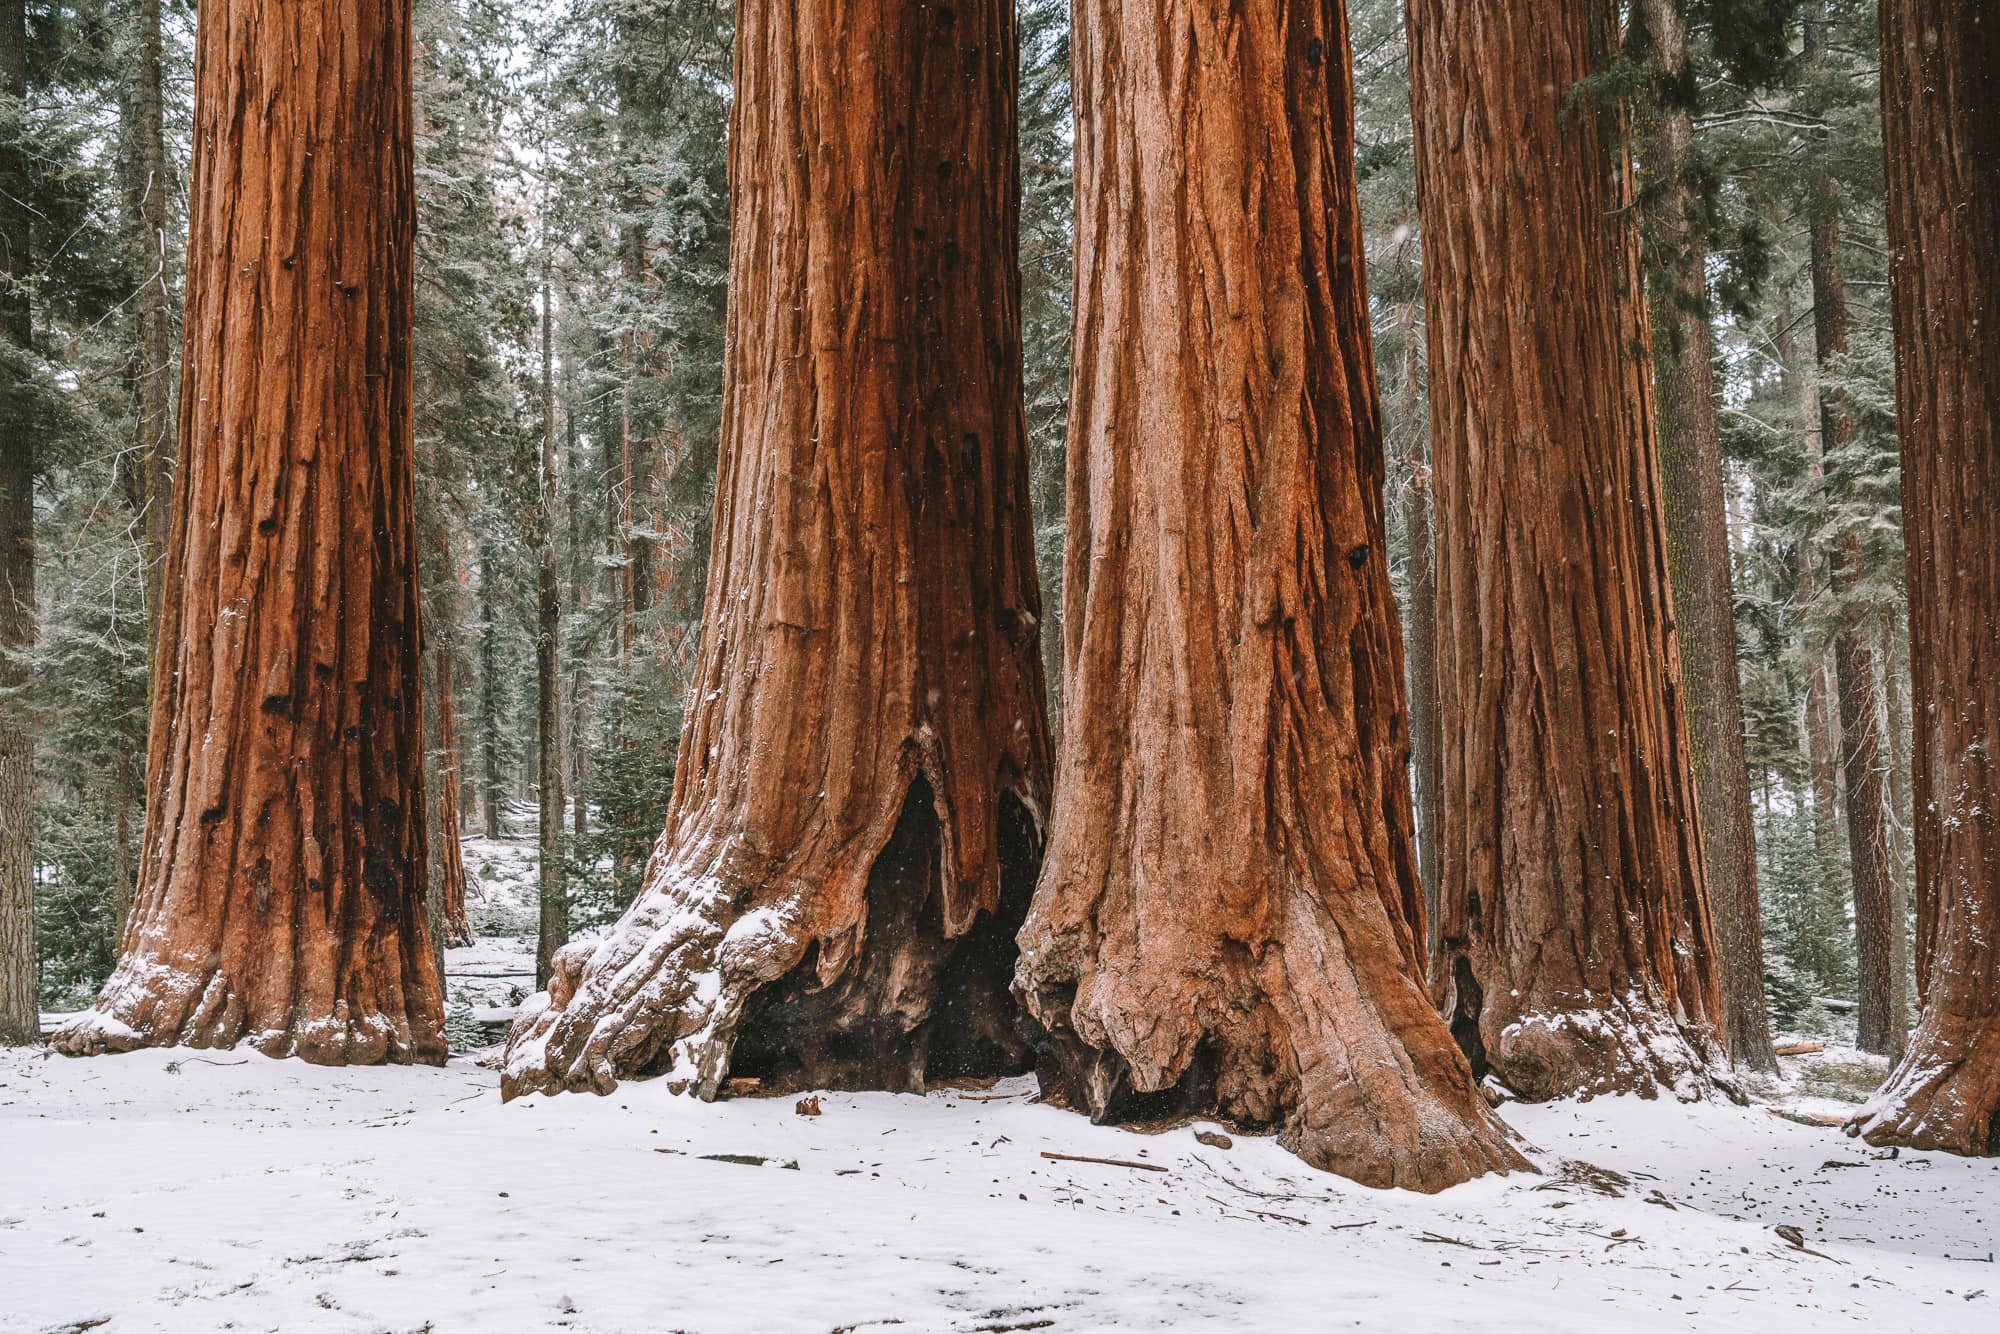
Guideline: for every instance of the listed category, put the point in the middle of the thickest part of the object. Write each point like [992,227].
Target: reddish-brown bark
[281,898]
[1229,920]
[856,808]
[1578,954]
[1941,144]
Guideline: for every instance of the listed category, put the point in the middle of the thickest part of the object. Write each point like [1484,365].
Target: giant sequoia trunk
[281,897]
[1229,921]
[854,824]
[1577,951]
[1690,443]
[20,1017]
[1941,140]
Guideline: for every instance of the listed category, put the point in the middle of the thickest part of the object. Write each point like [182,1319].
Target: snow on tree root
[150,1004]
[674,973]
[1945,1095]
[1628,1045]
[862,977]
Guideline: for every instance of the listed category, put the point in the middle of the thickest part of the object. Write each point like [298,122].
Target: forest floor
[170,1190]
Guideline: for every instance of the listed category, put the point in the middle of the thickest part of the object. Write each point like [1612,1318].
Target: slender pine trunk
[552,928]
[1878,935]
[20,1016]
[1691,475]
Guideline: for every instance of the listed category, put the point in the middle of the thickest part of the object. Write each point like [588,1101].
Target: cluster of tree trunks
[1577,954]
[865,767]
[281,899]
[1941,143]
[1229,920]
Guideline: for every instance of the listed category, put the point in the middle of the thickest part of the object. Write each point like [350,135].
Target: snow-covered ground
[183,1191]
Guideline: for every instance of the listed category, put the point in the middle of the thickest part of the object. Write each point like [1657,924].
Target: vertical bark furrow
[282,886]
[872,620]
[1941,142]
[1572,893]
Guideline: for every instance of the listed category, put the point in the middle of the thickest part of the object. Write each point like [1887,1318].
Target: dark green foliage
[75,889]
[1787,995]
[1804,903]
[68,398]
[631,778]
[1751,39]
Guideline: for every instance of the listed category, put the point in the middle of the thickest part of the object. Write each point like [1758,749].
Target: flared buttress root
[672,976]
[1405,1138]
[1945,1094]
[148,1004]
[1364,1085]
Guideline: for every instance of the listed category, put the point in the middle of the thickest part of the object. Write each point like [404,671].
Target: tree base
[695,984]
[1345,1059]
[149,1005]
[1944,1096]
[1620,1045]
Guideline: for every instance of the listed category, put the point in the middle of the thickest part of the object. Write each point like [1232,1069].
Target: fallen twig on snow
[1106,1162]
[1261,1213]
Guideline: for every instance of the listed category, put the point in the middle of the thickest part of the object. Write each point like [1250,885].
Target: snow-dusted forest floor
[175,1190]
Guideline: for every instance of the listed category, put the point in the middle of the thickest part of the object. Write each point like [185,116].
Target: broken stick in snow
[1107,1162]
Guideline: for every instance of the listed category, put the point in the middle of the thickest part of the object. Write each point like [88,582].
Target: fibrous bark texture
[1229,921]
[1882,1018]
[1941,141]
[1576,945]
[857,803]
[447,878]
[1690,444]
[281,899]
[1422,664]
[20,1015]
